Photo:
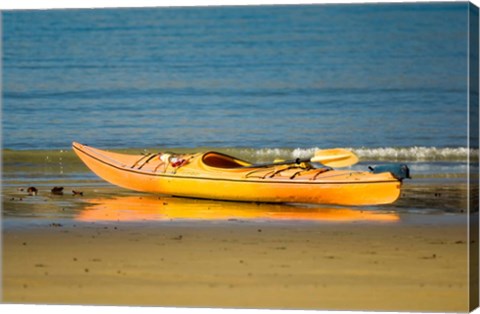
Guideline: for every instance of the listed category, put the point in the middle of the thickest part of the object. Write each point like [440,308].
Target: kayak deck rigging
[153,162]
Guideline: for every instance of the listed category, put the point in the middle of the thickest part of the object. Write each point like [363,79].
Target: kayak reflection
[136,208]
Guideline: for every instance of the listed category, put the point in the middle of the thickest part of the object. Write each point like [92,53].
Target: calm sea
[361,76]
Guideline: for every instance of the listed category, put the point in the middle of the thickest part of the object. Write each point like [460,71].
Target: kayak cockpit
[218,160]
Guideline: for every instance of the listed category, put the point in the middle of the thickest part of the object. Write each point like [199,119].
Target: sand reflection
[136,208]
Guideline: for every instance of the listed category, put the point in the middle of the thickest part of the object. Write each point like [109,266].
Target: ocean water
[378,78]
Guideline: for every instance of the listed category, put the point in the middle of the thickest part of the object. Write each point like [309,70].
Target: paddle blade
[335,158]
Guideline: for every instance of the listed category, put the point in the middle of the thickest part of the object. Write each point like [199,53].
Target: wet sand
[408,265]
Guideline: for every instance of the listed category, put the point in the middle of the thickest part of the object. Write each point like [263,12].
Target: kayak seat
[219,160]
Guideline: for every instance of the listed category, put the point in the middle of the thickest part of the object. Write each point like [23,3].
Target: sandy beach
[408,264]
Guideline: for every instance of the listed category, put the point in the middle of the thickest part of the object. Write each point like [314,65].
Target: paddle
[335,158]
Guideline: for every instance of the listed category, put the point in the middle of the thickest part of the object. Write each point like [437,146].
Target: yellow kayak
[213,175]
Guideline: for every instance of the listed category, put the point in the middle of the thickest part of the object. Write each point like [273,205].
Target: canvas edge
[473,162]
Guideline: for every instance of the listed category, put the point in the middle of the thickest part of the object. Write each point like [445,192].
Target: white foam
[416,153]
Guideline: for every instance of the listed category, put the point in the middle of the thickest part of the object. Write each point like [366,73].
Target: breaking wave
[417,153]
[459,154]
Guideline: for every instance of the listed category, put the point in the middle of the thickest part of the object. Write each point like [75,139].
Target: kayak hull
[233,184]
